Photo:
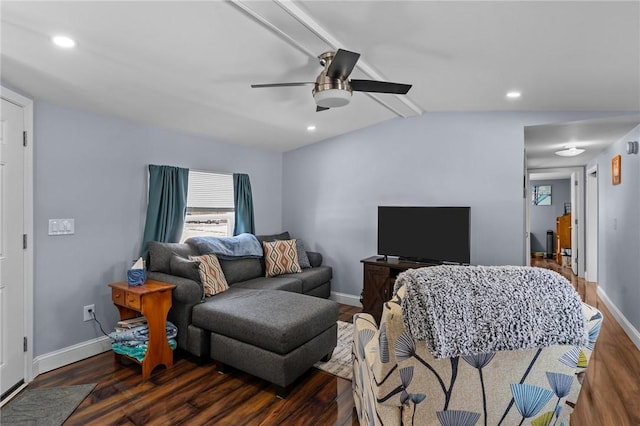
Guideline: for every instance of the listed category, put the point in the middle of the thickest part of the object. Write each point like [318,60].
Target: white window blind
[210,191]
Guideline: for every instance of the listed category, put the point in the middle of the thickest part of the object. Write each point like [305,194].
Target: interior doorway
[577,208]
[591,229]
[16,243]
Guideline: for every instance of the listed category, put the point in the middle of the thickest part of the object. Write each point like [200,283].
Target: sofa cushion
[290,283]
[186,292]
[280,257]
[241,269]
[185,268]
[303,259]
[211,274]
[315,258]
[267,238]
[312,277]
[273,237]
[278,321]
[160,255]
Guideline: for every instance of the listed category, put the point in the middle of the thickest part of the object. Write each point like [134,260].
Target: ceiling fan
[333,88]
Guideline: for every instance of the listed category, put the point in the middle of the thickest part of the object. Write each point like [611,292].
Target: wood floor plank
[194,393]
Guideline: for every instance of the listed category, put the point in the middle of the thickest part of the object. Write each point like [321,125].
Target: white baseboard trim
[346,299]
[628,328]
[70,354]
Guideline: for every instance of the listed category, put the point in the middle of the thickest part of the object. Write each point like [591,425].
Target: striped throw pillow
[211,274]
[280,257]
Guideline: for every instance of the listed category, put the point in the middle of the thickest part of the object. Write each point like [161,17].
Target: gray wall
[94,168]
[331,189]
[543,218]
[619,229]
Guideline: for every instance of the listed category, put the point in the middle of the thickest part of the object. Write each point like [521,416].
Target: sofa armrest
[315,258]
[186,291]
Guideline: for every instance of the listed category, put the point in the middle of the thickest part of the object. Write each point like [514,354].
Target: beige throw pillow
[280,257]
[211,274]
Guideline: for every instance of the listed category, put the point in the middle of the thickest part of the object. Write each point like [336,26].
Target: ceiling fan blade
[260,86]
[342,64]
[379,86]
[319,108]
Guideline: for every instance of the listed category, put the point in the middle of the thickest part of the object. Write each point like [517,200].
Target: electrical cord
[93,316]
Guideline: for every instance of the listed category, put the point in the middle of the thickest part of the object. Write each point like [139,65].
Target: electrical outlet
[87,311]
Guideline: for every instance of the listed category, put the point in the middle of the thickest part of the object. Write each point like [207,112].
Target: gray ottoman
[272,334]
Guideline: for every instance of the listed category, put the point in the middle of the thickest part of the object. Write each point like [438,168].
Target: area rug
[44,406]
[340,363]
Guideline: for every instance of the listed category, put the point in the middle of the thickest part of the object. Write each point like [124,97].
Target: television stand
[379,277]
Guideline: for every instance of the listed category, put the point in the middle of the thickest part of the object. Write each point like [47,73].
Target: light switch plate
[62,226]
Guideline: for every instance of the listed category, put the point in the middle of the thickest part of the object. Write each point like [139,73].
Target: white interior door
[575,231]
[12,255]
[526,193]
[591,263]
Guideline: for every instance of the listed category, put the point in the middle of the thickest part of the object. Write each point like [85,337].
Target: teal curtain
[167,205]
[243,205]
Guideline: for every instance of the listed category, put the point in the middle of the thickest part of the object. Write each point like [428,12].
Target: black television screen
[435,234]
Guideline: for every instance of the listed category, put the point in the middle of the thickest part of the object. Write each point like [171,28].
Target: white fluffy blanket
[465,310]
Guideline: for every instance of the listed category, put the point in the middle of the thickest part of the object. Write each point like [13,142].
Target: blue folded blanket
[139,351]
[240,246]
[140,334]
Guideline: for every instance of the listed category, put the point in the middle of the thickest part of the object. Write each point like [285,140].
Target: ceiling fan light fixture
[570,151]
[63,41]
[332,98]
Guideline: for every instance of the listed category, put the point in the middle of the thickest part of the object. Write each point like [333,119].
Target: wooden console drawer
[134,301]
[117,295]
[378,269]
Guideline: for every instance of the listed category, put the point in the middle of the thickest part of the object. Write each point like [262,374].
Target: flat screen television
[426,234]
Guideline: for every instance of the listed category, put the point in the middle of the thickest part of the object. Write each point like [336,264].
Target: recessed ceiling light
[63,41]
[570,151]
[311,128]
[513,94]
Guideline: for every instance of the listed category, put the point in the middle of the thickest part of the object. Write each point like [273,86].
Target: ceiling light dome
[570,151]
[63,41]
[332,98]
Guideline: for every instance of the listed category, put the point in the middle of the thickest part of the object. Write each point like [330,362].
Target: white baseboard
[346,299]
[628,328]
[70,354]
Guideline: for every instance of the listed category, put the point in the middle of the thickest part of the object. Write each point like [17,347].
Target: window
[210,209]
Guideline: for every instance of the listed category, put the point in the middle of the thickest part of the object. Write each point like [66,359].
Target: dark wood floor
[194,394]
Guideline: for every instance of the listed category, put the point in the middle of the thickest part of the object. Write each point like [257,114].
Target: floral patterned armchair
[397,381]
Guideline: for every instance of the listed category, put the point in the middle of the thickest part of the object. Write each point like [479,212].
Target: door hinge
[24,241]
[24,138]
[24,344]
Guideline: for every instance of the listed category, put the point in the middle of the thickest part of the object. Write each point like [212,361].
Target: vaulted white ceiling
[189,65]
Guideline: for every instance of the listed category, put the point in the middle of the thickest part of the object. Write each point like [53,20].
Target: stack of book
[128,324]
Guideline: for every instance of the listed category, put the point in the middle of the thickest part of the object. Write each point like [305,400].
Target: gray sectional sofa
[270,327]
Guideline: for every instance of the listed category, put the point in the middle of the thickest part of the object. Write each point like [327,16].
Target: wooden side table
[153,300]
